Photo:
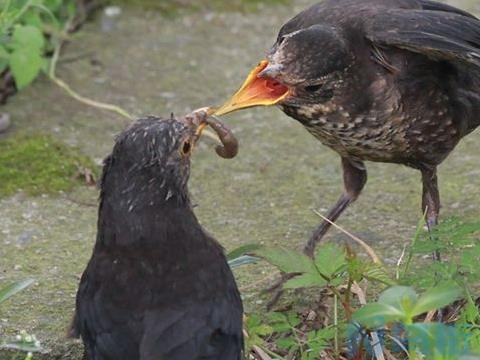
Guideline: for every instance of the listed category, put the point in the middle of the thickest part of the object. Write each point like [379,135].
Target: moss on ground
[39,164]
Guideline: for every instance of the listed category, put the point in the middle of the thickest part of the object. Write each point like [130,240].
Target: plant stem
[335,323]
[346,306]
[73,93]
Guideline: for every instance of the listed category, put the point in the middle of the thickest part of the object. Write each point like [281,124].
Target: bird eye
[186,148]
[313,88]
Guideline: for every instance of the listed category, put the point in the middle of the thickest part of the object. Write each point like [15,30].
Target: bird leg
[431,200]
[354,179]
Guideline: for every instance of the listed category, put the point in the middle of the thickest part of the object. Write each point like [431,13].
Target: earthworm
[229,147]
[200,119]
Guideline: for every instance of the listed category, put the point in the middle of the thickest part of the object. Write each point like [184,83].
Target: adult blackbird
[394,81]
[157,286]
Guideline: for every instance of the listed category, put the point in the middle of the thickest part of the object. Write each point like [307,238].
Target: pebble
[4,122]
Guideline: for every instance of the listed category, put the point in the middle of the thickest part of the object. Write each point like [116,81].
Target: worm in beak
[200,119]
[229,147]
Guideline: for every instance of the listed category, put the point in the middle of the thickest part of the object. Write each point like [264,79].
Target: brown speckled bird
[394,81]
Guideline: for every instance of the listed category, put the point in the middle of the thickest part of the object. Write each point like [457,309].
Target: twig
[430,316]
[261,354]
[399,343]
[362,243]
[399,262]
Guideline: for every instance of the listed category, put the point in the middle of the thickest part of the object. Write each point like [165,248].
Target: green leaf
[287,261]
[377,315]
[282,322]
[305,281]
[27,37]
[436,298]
[377,272]
[32,18]
[401,297]
[286,343]
[4,59]
[53,5]
[437,341]
[330,259]
[14,288]
[242,250]
[25,64]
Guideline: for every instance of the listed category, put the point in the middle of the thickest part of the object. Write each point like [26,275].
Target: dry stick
[375,342]
[399,262]
[261,354]
[362,243]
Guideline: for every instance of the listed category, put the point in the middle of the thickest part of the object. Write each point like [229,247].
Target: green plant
[31,38]
[402,305]
[394,323]
[308,344]
[30,30]
[458,240]
[331,267]
[23,341]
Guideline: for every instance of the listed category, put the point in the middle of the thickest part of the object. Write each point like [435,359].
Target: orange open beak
[255,91]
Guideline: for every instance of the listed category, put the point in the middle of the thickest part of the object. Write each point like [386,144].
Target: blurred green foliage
[29,30]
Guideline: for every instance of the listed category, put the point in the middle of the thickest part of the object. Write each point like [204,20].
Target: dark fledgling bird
[157,287]
[394,81]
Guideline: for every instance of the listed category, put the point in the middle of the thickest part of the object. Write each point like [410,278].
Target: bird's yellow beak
[256,91]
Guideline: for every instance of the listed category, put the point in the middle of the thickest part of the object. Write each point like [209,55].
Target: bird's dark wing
[203,331]
[107,330]
[436,6]
[436,34]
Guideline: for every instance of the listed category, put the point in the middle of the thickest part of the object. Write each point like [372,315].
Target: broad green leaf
[71,9]
[282,322]
[436,298]
[52,5]
[27,37]
[32,18]
[287,261]
[4,55]
[263,330]
[25,65]
[377,315]
[330,259]
[242,250]
[14,288]
[377,272]
[305,281]
[401,297]
[437,341]
[4,59]
[286,343]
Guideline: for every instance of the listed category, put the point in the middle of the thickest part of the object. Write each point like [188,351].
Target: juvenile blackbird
[158,286]
[394,81]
